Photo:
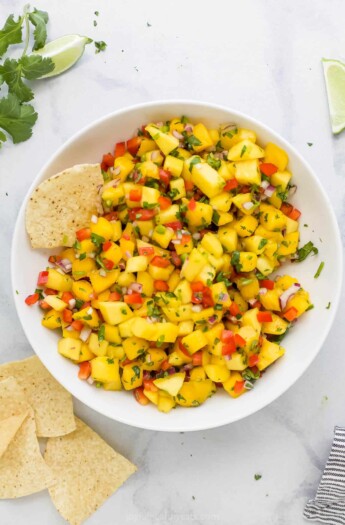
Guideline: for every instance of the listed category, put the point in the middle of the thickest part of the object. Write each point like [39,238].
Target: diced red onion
[285,296]
[65,265]
[188,366]
[122,265]
[225,153]
[146,375]
[154,155]
[117,170]
[145,239]
[171,370]
[135,287]
[218,155]
[176,241]
[248,205]
[212,319]
[71,303]
[177,135]
[128,254]
[102,273]
[70,328]
[196,308]
[150,233]
[90,380]
[77,255]
[129,292]
[149,320]
[90,311]
[223,296]
[92,255]
[159,124]
[94,219]
[196,236]
[227,357]
[262,291]
[252,302]
[264,184]
[85,333]
[188,127]
[148,358]
[269,190]
[124,290]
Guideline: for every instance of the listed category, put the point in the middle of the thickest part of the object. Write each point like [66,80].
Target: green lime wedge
[334,71]
[64,52]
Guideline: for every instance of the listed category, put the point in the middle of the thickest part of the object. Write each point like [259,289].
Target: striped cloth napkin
[329,503]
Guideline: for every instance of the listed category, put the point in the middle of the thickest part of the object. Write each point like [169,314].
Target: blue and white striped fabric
[329,503]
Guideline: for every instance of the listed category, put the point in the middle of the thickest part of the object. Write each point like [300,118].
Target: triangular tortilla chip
[63,204]
[22,468]
[87,471]
[8,429]
[52,404]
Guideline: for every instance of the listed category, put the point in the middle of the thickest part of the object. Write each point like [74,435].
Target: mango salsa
[171,293]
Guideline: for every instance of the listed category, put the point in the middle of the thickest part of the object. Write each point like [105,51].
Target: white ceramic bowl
[302,343]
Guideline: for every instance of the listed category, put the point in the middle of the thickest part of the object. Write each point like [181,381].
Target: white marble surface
[258,56]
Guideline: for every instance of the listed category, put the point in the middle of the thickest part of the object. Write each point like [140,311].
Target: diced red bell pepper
[54,258]
[176,259]
[175,225]
[264,317]
[286,208]
[189,185]
[50,291]
[135,195]
[141,214]
[295,214]
[230,185]
[234,309]
[197,297]
[227,336]
[108,264]
[120,149]
[253,360]
[183,348]
[77,325]
[107,245]
[161,262]
[290,314]
[67,315]
[44,305]
[185,239]
[268,169]
[164,176]
[134,298]
[164,203]
[84,233]
[197,358]
[245,189]
[133,145]
[84,370]
[146,250]
[149,385]
[165,365]
[126,236]
[140,396]
[240,341]
[238,387]
[192,204]
[108,160]
[207,299]
[42,278]
[229,347]
[66,297]
[32,299]
[114,296]
[257,304]
[197,287]
[161,286]
[111,216]
[267,283]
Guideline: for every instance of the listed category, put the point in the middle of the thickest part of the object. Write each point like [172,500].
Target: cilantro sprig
[17,118]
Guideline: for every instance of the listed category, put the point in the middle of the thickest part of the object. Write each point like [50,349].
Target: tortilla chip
[22,468]
[52,404]
[63,204]
[87,470]
[9,428]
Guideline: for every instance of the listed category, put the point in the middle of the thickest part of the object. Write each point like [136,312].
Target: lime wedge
[64,52]
[334,71]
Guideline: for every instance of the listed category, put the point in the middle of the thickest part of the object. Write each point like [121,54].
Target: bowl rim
[260,404]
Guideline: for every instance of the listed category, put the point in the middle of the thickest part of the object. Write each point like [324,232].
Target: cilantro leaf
[17,119]
[100,46]
[11,33]
[307,249]
[11,73]
[39,19]
[35,66]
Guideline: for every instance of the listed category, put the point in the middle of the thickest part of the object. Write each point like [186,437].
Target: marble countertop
[261,57]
